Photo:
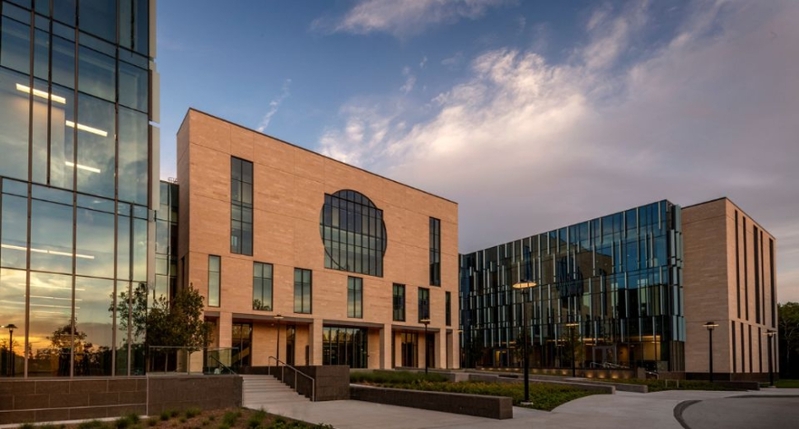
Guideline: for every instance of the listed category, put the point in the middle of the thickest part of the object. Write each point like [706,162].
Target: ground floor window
[345,346]
[409,344]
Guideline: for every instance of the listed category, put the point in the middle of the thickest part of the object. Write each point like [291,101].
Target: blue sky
[531,115]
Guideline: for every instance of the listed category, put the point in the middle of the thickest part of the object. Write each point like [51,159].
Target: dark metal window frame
[398,302]
[238,243]
[355,297]
[435,252]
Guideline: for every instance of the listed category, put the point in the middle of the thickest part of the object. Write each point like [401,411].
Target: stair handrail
[296,371]
[222,364]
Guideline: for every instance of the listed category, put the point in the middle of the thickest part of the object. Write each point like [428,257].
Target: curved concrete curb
[680,408]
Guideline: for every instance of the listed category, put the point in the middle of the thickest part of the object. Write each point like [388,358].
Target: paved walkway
[624,409]
[772,408]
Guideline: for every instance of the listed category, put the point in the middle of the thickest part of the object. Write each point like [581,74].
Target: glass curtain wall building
[606,293]
[76,180]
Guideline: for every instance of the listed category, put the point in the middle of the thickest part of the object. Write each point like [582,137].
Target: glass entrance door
[241,343]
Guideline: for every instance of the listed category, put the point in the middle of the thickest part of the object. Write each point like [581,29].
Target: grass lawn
[543,396]
[793,384]
[192,418]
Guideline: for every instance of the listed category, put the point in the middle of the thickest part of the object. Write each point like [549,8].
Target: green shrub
[224,426]
[205,422]
[165,415]
[152,422]
[231,417]
[122,423]
[174,413]
[134,418]
[256,419]
[27,426]
[92,424]
[193,412]
[395,377]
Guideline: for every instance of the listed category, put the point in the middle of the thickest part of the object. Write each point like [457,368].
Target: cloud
[274,105]
[525,145]
[454,61]
[423,62]
[403,18]
[410,81]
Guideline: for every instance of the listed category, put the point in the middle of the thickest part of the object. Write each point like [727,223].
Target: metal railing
[296,371]
[225,367]
[607,365]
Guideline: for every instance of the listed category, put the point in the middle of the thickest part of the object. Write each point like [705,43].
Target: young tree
[177,322]
[788,326]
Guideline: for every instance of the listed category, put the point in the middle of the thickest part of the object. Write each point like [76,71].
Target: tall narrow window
[435,252]
[241,180]
[448,308]
[424,303]
[756,244]
[214,271]
[355,297]
[399,302]
[262,286]
[773,284]
[302,291]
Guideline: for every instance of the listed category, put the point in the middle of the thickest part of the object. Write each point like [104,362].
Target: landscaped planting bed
[191,418]
[543,396]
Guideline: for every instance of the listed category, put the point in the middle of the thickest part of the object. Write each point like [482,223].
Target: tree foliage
[177,322]
[789,332]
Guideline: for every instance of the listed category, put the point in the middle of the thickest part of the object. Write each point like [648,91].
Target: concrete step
[259,391]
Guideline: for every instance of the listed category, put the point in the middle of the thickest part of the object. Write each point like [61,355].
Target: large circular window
[353,233]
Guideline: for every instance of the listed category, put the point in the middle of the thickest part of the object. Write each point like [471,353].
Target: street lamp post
[770,334]
[278,317]
[710,326]
[11,328]
[526,358]
[573,341]
[425,322]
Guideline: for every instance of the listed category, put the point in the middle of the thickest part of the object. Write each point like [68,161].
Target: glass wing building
[605,293]
[79,184]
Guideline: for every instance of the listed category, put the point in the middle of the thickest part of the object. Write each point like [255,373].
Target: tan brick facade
[728,279]
[290,184]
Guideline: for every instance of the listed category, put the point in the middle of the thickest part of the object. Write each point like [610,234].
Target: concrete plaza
[766,408]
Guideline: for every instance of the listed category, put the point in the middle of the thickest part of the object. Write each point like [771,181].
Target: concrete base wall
[44,400]
[494,407]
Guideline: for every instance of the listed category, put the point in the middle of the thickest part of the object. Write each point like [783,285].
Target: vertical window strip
[737,266]
[734,349]
[435,252]
[214,275]
[241,207]
[303,291]
[751,363]
[448,303]
[262,286]
[746,272]
[355,297]
[762,277]
[756,255]
[399,302]
[424,303]
[773,284]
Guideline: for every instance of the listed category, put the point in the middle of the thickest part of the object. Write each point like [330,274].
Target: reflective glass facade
[611,288]
[75,179]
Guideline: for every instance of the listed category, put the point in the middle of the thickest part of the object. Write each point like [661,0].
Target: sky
[532,115]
